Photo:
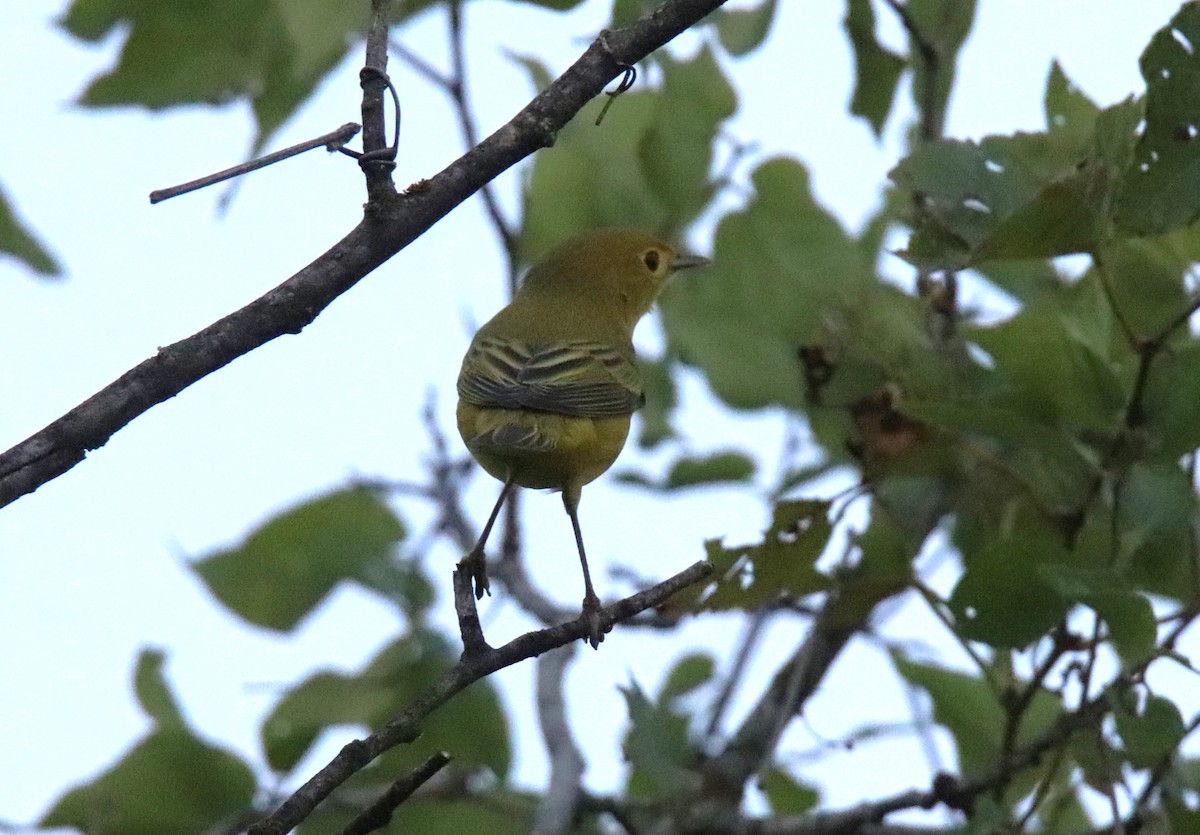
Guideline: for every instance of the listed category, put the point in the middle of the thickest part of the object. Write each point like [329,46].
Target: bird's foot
[597,624]
[475,565]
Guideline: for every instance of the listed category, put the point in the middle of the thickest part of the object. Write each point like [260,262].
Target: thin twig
[556,809]
[378,157]
[331,141]
[379,814]
[457,90]
[737,670]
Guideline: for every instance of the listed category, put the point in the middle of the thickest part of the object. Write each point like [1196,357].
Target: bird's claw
[597,624]
[475,564]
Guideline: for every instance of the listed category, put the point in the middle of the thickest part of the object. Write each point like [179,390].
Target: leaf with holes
[1161,189]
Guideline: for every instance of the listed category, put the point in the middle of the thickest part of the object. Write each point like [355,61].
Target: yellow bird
[548,385]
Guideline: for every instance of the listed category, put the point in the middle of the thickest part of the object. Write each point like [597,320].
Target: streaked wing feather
[582,379]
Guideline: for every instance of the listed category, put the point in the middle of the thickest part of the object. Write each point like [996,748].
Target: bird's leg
[591,603]
[475,563]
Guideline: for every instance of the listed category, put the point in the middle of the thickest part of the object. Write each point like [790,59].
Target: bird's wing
[579,378]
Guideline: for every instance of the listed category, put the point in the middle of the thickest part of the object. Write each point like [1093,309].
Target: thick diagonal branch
[389,225]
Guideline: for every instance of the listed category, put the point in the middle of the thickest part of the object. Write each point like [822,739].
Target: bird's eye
[651,260]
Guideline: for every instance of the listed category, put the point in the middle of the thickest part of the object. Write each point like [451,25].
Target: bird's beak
[684,261]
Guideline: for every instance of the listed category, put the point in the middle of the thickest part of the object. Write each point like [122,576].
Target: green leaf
[1157,504]
[1145,279]
[876,69]
[690,672]
[169,782]
[1161,190]
[152,690]
[1172,402]
[625,12]
[965,706]
[217,51]
[1057,367]
[285,568]
[657,748]
[783,563]
[995,576]
[717,468]
[1019,196]
[1067,107]
[787,795]
[539,74]
[661,399]
[768,291]
[472,727]
[743,30]
[1152,735]
[676,150]
[971,711]
[18,241]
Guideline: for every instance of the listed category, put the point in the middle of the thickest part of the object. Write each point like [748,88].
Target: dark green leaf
[1157,505]
[153,692]
[743,30]
[1161,190]
[999,574]
[1100,764]
[877,70]
[1151,735]
[287,566]
[1006,187]
[169,782]
[18,241]
[787,795]
[783,563]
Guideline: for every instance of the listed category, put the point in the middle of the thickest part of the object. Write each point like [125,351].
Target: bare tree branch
[379,814]
[556,810]
[390,223]
[478,661]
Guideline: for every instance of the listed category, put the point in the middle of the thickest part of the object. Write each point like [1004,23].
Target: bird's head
[621,270]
